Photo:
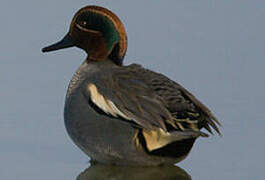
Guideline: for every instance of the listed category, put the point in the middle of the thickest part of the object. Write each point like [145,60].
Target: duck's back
[179,102]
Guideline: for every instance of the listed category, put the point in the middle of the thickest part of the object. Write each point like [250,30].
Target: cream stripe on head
[104,104]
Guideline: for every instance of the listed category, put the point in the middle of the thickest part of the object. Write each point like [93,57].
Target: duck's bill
[66,42]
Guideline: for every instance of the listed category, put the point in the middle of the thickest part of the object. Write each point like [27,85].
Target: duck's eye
[83,23]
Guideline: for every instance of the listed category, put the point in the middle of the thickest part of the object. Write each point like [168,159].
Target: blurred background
[215,49]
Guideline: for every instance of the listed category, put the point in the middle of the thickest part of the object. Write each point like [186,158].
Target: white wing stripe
[115,109]
[104,104]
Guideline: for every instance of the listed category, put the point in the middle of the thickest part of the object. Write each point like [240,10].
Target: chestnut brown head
[97,31]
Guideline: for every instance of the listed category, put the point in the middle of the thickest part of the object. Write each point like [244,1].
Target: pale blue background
[214,48]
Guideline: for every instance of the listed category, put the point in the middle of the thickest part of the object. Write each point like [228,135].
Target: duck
[126,114]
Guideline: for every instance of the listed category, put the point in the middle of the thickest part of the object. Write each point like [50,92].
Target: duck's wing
[149,100]
[187,110]
[120,93]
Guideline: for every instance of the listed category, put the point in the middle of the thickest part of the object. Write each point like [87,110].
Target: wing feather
[149,100]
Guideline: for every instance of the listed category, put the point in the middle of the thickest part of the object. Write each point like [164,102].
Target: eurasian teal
[126,115]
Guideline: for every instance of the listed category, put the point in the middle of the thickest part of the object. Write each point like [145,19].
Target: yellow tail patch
[156,139]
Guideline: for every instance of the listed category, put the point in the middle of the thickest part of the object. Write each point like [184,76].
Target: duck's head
[98,31]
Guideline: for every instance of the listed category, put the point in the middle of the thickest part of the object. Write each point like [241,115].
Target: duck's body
[126,115]
[103,137]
